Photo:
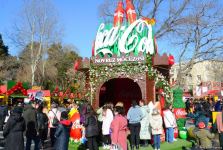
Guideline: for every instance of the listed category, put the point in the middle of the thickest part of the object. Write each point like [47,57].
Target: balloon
[171,60]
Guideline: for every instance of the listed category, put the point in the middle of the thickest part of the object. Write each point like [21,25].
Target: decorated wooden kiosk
[16,92]
[125,64]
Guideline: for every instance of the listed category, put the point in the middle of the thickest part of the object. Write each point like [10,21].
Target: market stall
[43,95]
[16,92]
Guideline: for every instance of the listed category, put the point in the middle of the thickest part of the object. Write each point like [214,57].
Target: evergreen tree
[3,49]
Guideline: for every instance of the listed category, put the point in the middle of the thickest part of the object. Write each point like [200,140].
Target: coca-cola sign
[180,113]
[137,37]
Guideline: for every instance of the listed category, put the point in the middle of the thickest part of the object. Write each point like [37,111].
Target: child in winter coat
[156,124]
[170,124]
[204,136]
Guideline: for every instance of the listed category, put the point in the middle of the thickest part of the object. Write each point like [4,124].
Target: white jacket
[156,124]
[169,119]
[106,122]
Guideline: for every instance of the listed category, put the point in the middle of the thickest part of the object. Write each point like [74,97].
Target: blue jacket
[62,135]
[134,115]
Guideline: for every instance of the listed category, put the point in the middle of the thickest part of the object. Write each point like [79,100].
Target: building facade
[202,77]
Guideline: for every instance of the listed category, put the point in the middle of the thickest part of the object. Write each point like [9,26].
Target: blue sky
[79,21]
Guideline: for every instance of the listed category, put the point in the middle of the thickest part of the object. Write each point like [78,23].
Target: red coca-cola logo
[180,113]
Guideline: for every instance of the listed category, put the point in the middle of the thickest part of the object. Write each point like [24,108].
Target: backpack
[55,121]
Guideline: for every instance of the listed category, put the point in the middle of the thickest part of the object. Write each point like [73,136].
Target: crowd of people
[110,126]
[206,128]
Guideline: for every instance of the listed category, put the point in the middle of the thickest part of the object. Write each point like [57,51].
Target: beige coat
[156,124]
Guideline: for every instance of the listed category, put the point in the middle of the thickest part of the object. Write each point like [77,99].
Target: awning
[18,96]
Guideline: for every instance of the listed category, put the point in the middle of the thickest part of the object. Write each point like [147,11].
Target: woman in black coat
[13,131]
[42,121]
[63,133]
[91,128]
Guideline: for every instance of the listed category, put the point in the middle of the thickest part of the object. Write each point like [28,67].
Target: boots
[132,147]
[137,147]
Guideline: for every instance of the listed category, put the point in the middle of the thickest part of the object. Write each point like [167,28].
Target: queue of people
[109,126]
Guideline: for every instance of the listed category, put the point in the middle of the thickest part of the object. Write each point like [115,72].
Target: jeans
[156,139]
[29,142]
[169,134]
[134,136]
[92,143]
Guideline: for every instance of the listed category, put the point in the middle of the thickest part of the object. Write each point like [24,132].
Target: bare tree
[192,29]
[199,36]
[166,13]
[37,24]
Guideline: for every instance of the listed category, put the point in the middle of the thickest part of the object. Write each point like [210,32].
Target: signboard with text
[180,113]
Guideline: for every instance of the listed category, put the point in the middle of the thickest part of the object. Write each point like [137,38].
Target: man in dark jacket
[13,131]
[3,114]
[30,116]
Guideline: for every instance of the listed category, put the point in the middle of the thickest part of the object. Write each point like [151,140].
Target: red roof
[3,89]
[46,93]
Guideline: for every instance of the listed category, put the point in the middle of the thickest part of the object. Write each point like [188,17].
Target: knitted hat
[201,125]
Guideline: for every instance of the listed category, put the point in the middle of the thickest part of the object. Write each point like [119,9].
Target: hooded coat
[13,132]
[62,135]
[204,137]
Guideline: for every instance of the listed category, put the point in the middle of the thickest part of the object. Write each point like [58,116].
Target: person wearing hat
[203,136]
[62,133]
[156,124]
[13,131]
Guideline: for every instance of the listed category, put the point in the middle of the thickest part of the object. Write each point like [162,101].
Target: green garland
[102,73]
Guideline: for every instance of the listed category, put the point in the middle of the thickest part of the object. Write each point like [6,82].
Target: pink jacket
[118,134]
[219,123]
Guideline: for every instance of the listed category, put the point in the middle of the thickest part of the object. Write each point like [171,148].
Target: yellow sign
[2,97]
[36,88]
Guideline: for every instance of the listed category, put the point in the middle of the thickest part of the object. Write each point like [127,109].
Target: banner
[180,113]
